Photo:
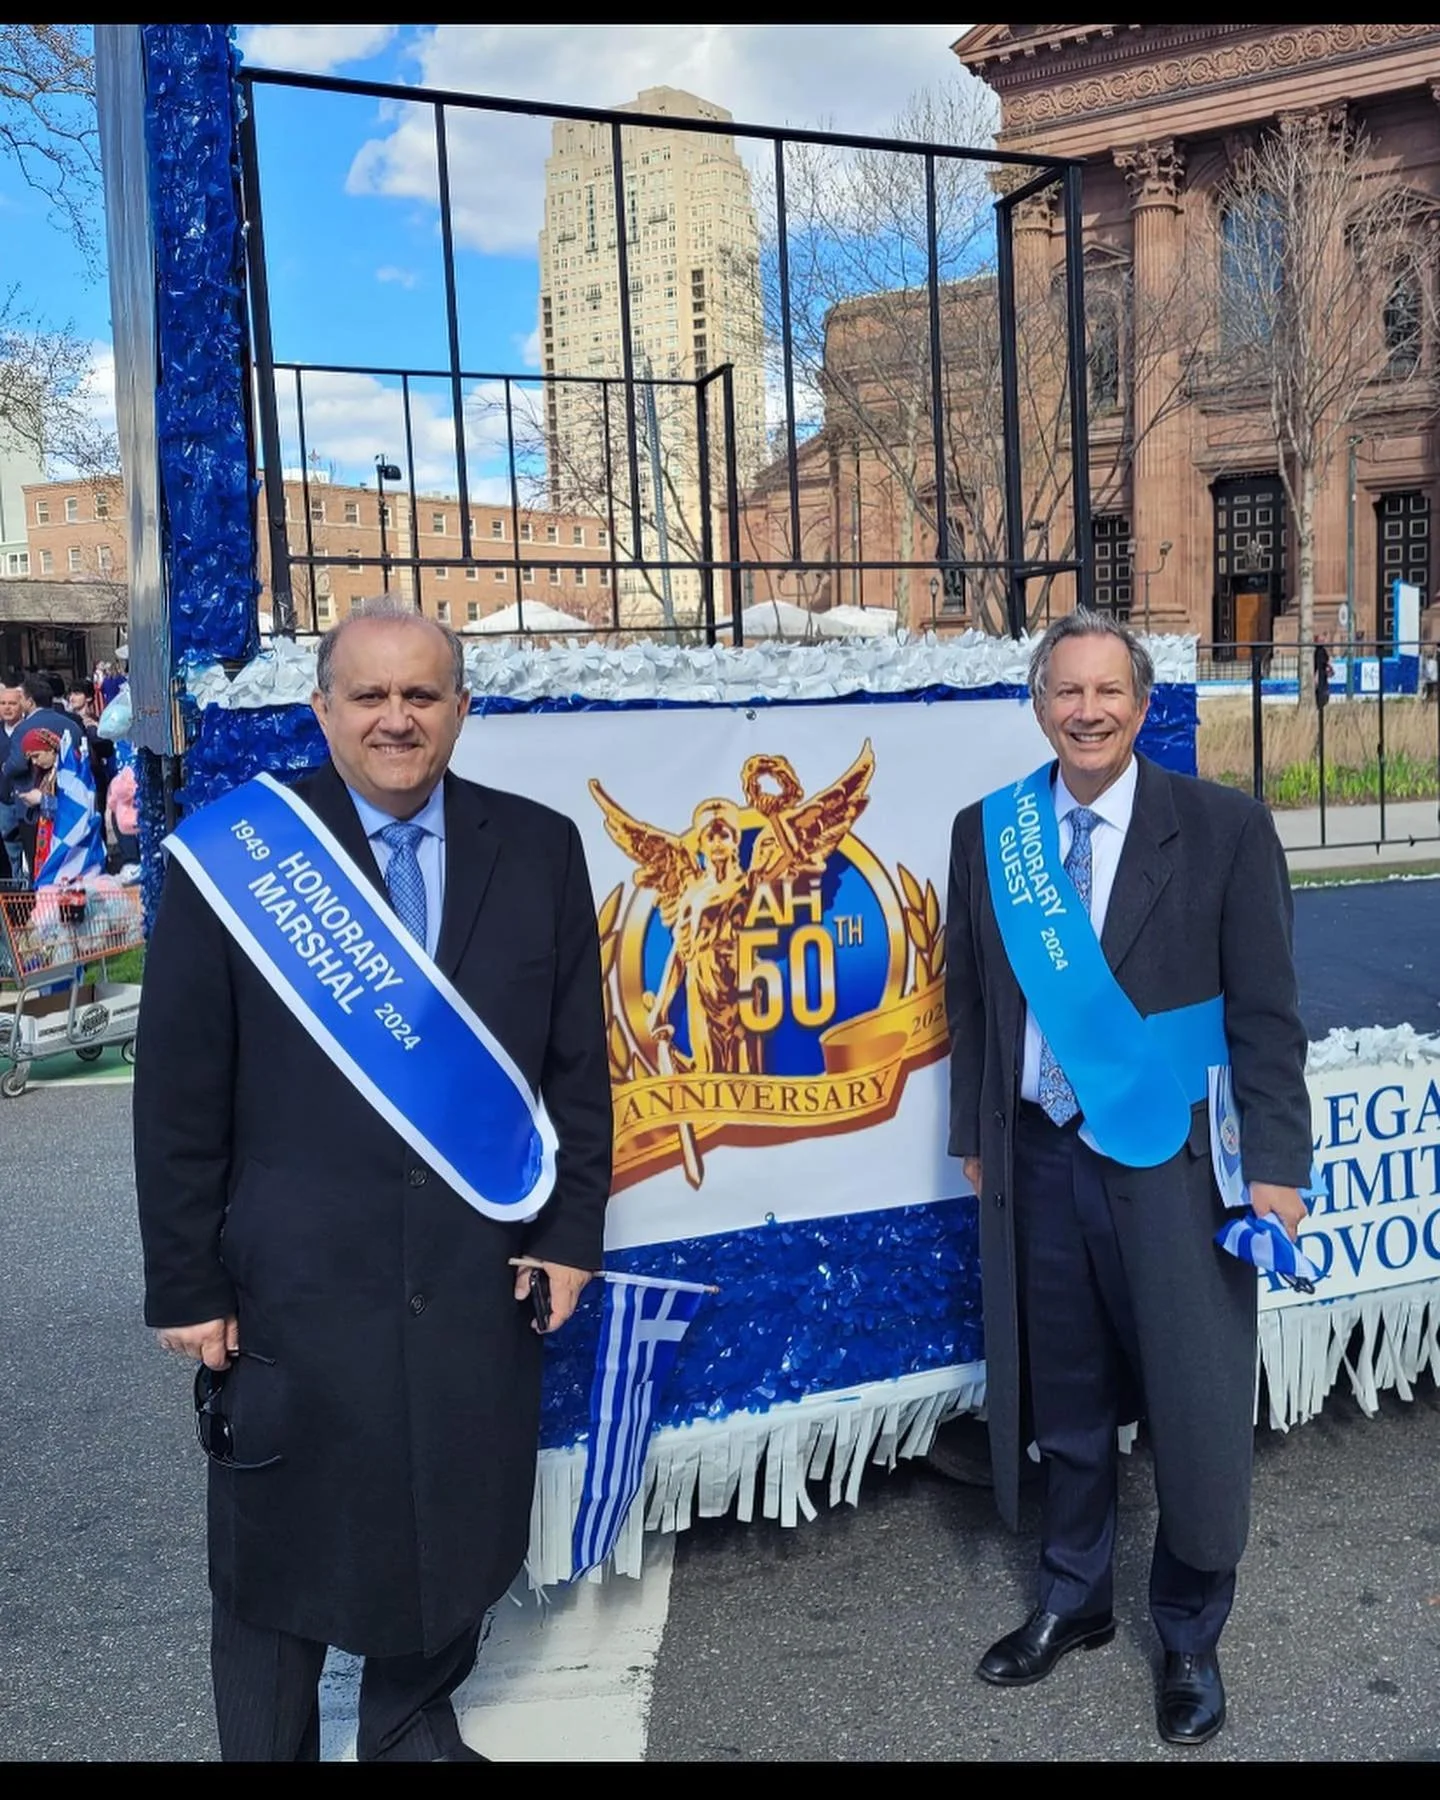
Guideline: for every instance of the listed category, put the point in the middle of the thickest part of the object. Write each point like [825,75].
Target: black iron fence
[899,255]
[1341,741]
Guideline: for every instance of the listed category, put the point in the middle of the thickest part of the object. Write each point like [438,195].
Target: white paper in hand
[1225,1138]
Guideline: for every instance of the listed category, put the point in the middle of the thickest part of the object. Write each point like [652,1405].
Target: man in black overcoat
[382,1366]
[1105,1295]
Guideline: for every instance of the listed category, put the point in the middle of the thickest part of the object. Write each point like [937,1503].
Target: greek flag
[641,1326]
[1265,1243]
[77,848]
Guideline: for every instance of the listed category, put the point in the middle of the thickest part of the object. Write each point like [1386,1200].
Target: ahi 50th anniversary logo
[766,978]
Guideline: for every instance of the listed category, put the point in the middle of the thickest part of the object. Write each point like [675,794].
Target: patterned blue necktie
[403,880]
[1057,1097]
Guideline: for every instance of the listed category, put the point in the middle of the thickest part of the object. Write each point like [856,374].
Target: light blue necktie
[403,880]
[1057,1097]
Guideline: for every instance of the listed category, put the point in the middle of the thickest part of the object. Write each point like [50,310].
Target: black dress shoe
[1191,1704]
[1031,1652]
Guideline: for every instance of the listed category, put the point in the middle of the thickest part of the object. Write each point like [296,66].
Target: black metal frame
[1017,570]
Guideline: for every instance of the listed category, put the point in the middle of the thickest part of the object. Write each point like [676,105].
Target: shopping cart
[51,938]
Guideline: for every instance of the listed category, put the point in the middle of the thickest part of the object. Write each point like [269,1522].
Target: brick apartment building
[76,532]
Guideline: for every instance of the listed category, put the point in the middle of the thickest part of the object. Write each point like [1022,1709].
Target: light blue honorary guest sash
[1135,1078]
[351,975]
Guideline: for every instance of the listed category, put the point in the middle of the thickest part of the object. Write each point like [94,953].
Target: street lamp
[934,597]
[1145,575]
[384,471]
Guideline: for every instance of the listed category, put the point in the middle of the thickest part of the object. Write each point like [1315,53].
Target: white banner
[1377,1145]
[770,883]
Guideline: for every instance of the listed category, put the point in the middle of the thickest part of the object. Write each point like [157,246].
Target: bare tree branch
[47,121]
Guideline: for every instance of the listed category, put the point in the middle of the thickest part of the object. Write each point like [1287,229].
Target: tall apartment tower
[693,249]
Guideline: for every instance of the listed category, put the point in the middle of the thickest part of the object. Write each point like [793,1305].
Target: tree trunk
[1305,556]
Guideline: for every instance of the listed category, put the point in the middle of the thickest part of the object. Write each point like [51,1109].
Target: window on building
[17,562]
[322,611]
[317,512]
[1252,265]
[552,534]
[497,529]
[1103,353]
[42,512]
[1402,532]
[353,556]
[604,536]
[527,574]
[472,573]
[387,514]
[554,573]
[580,576]
[1403,305]
[527,533]
[577,534]
[1114,564]
[76,560]
[502,574]
[47,563]
[72,510]
[442,574]
[102,506]
[437,524]
[352,512]
[472,611]
[356,602]
[104,559]
[442,611]
[605,578]
[1251,581]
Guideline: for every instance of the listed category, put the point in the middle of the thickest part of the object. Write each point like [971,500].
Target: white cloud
[851,78]
[405,278]
[352,419]
[529,348]
[312,49]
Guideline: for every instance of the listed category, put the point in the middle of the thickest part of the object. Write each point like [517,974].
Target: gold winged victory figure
[705,889]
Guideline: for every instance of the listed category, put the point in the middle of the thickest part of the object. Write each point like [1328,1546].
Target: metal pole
[384,542]
[732,505]
[707,523]
[1350,477]
[937,410]
[787,344]
[1380,740]
[1257,721]
[627,347]
[282,599]
[1010,419]
[452,321]
[1321,710]
[1079,398]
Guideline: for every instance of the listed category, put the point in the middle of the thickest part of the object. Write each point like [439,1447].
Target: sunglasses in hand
[212,1427]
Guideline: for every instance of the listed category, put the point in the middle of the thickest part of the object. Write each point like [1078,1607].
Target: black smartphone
[540,1298]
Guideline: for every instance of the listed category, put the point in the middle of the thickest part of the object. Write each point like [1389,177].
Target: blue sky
[348,185]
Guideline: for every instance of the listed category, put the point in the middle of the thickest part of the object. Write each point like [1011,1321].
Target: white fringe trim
[705,1468]
[1302,1349]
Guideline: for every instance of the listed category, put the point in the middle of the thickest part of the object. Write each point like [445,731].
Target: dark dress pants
[1085,1382]
[267,1696]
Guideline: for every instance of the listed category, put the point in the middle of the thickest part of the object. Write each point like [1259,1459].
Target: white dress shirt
[429,852]
[1107,840]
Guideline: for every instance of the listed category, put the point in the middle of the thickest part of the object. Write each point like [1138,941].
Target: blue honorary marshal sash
[351,975]
[1135,1078]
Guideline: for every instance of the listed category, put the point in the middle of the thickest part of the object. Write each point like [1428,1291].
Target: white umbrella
[537,617]
[778,619]
[857,621]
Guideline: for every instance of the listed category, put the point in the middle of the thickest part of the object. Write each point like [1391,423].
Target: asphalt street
[851,1638]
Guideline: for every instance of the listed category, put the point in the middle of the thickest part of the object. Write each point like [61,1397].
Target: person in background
[1324,668]
[81,703]
[42,755]
[123,818]
[12,809]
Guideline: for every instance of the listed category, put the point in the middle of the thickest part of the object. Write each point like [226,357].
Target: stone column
[1159,476]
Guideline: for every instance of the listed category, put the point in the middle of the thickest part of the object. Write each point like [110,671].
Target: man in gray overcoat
[370,1356]
[1106,1297]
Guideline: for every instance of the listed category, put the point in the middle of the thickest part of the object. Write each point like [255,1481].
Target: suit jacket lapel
[1145,863]
[329,799]
[470,853]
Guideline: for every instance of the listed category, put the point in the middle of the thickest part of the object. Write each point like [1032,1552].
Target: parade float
[779,1138]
